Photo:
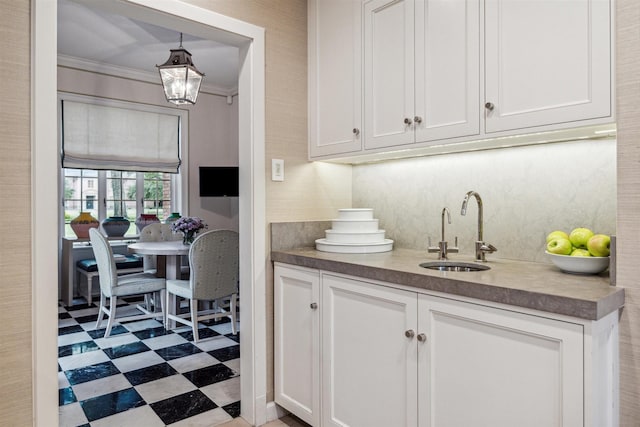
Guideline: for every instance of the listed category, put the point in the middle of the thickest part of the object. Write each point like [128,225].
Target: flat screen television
[218,181]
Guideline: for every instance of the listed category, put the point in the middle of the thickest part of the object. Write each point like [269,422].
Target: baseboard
[275,411]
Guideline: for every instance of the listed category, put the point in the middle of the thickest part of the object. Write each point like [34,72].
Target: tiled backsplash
[526,192]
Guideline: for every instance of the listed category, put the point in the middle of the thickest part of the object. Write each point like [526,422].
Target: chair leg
[232,307]
[163,307]
[165,310]
[112,315]
[194,319]
[101,310]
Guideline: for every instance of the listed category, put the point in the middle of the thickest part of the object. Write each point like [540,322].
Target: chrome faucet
[443,247]
[481,247]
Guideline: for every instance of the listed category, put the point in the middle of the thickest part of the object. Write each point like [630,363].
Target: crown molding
[133,74]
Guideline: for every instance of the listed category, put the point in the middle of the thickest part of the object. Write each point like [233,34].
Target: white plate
[354,248]
[355,213]
[347,237]
[354,225]
[579,264]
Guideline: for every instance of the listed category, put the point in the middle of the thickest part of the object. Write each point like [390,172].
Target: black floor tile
[152,333]
[219,321]
[70,330]
[210,374]
[82,306]
[87,319]
[81,347]
[202,334]
[182,406]
[90,373]
[126,350]
[66,396]
[150,373]
[233,409]
[235,337]
[64,315]
[226,353]
[112,403]
[178,351]
[116,330]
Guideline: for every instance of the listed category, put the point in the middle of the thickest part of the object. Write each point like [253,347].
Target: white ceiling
[100,41]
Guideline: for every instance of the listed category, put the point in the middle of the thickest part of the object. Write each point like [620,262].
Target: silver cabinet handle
[422,338]
[417,119]
[409,333]
[489,106]
[313,305]
[407,121]
[356,131]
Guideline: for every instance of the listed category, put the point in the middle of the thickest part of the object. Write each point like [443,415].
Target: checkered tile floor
[142,375]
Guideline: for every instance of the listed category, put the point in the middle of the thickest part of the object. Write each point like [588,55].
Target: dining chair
[113,286]
[156,232]
[214,263]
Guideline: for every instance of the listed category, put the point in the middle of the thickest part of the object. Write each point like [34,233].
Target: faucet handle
[432,249]
[487,247]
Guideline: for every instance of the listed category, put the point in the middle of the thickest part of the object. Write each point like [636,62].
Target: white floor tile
[63,382]
[116,340]
[164,388]
[225,328]
[71,415]
[206,419]
[84,312]
[193,362]
[137,361]
[137,417]
[143,324]
[80,360]
[164,341]
[63,323]
[101,386]
[233,364]
[223,392]
[73,338]
[215,343]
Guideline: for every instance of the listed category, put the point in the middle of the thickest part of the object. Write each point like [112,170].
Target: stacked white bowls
[355,231]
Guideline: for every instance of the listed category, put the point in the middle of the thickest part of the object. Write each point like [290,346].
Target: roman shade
[114,138]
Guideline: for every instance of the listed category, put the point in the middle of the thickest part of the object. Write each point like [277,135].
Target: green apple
[580,236]
[580,252]
[599,244]
[559,246]
[556,234]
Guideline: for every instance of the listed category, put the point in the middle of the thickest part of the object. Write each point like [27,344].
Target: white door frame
[44,166]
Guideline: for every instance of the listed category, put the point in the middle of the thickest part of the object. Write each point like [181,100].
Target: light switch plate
[277,170]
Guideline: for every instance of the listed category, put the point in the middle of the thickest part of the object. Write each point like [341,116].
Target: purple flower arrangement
[189,226]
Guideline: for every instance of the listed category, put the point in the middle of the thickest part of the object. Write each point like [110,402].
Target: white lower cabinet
[383,356]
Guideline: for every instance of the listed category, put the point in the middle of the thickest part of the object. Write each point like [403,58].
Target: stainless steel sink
[454,266]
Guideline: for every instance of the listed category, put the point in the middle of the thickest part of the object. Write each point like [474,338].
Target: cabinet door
[447,65]
[388,73]
[547,62]
[335,76]
[368,364]
[482,366]
[297,341]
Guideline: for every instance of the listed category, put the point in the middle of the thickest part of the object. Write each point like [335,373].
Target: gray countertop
[536,286]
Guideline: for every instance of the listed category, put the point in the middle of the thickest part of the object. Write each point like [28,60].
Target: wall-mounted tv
[218,181]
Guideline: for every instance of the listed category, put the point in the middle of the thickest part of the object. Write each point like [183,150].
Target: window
[115,193]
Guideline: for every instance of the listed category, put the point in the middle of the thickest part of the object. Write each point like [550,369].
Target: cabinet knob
[417,119]
[313,305]
[409,333]
[422,338]
[489,106]
[356,131]
[407,121]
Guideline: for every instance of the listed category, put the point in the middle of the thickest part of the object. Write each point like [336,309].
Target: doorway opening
[45,242]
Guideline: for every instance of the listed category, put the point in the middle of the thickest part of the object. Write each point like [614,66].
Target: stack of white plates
[355,231]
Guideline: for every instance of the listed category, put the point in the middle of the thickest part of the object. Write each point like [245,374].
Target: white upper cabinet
[388,73]
[546,62]
[421,62]
[447,60]
[335,76]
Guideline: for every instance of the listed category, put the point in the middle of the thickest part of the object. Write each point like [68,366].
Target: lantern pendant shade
[180,78]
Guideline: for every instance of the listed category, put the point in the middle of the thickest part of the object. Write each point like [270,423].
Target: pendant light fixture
[180,78]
